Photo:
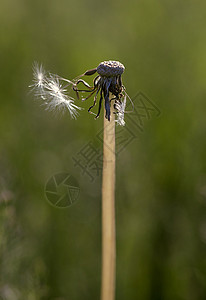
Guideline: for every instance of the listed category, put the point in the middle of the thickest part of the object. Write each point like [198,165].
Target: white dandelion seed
[49,88]
[120,107]
[58,99]
[39,76]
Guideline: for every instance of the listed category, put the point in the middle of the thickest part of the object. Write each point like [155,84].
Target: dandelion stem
[108,210]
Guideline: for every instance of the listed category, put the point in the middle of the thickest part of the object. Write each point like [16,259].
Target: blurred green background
[55,254]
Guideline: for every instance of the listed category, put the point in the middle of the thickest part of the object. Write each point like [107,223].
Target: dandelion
[49,87]
[108,81]
[107,85]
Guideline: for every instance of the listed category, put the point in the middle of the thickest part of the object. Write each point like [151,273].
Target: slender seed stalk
[108,211]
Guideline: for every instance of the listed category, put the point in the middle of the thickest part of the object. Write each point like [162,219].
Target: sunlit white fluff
[50,89]
[120,107]
[39,76]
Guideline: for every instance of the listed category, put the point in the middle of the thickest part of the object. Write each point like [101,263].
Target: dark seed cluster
[110,68]
[107,81]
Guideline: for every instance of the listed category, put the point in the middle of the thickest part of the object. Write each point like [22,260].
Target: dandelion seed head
[108,84]
[52,89]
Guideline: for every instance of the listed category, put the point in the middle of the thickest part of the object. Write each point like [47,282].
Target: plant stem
[108,211]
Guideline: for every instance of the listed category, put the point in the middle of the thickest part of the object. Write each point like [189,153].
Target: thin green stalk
[108,211]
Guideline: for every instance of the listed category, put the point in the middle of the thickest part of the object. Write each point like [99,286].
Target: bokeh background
[55,254]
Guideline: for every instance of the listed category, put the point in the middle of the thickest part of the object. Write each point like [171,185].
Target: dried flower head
[107,81]
[49,87]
